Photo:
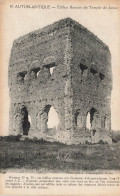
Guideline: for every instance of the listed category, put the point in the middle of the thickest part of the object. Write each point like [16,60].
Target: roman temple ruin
[60,84]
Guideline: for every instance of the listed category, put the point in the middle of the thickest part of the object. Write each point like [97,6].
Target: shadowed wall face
[65,67]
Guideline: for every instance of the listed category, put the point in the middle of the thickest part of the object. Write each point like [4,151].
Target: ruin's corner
[65,67]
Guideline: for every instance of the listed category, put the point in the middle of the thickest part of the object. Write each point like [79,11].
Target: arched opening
[49,63]
[84,69]
[38,73]
[91,118]
[51,70]
[29,118]
[35,69]
[93,71]
[50,67]
[21,77]
[78,119]
[35,72]
[88,124]
[25,121]
[49,120]
[53,119]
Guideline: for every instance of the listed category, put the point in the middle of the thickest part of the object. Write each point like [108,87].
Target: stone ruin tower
[65,67]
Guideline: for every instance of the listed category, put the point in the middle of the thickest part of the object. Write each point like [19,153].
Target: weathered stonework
[79,87]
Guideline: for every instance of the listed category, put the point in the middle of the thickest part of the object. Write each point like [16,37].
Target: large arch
[92,119]
[25,120]
[21,122]
[48,119]
[53,119]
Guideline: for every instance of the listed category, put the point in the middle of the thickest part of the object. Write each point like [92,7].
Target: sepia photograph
[60,84]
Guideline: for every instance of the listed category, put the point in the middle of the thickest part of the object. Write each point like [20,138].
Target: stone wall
[91,83]
[65,66]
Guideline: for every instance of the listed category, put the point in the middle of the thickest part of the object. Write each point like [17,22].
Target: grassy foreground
[42,155]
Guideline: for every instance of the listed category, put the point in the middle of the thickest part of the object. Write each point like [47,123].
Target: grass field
[41,155]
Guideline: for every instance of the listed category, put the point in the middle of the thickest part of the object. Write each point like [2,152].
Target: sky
[105,23]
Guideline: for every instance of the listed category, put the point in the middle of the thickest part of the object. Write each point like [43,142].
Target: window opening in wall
[102,76]
[35,72]
[90,117]
[50,67]
[83,68]
[93,71]
[38,73]
[93,132]
[25,121]
[29,118]
[78,119]
[51,70]
[53,119]
[88,125]
[106,122]
[25,77]
[21,77]
[76,115]
[49,120]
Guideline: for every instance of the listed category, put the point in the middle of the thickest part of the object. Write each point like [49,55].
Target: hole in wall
[90,117]
[83,69]
[21,77]
[25,121]
[38,73]
[78,119]
[35,72]
[53,119]
[88,124]
[29,118]
[51,70]
[48,120]
[50,67]
[102,76]
[93,71]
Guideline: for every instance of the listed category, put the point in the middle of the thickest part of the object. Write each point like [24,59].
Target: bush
[114,140]
[102,142]
[34,140]
[87,142]
[116,136]
[10,138]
